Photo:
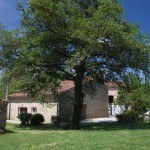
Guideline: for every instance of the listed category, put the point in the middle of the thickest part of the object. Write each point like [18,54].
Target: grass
[104,136]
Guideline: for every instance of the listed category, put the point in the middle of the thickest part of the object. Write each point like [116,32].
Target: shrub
[55,120]
[128,116]
[37,119]
[25,118]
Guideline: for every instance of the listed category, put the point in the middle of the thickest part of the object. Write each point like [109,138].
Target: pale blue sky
[136,11]
[9,16]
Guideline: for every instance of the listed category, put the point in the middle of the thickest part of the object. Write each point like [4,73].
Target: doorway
[111,106]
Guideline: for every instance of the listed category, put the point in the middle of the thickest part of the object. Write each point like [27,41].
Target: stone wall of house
[46,109]
[3,114]
[97,105]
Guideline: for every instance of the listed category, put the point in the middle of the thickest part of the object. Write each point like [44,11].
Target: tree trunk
[78,101]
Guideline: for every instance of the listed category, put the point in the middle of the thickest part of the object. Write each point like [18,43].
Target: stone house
[93,107]
[3,114]
[20,102]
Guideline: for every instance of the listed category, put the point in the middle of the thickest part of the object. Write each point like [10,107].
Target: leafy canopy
[63,38]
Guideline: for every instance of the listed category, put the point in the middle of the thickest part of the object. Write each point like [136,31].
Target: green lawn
[108,136]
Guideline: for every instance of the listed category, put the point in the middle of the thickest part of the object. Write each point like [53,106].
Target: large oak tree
[77,40]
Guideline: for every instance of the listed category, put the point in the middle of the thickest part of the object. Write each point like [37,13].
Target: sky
[137,11]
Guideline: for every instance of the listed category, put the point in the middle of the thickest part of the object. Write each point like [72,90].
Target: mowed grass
[104,136]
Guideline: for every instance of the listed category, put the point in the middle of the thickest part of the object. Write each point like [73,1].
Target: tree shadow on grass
[40,127]
[113,126]
[91,127]
[6,132]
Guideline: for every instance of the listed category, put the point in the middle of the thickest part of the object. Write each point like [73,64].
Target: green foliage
[128,116]
[56,120]
[2,90]
[13,85]
[37,119]
[25,118]
[30,119]
[134,94]
[59,36]
[10,44]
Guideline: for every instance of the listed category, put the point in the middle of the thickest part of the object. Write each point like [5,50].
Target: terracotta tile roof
[66,85]
[18,95]
[112,84]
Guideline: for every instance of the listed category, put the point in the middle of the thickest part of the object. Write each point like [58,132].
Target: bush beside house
[37,119]
[30,119]
[128,116]
[25,118]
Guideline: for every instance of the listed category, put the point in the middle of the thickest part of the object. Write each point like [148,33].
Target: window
[22,110]
[33,110]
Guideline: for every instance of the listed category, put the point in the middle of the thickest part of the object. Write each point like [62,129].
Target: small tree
[134,94]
